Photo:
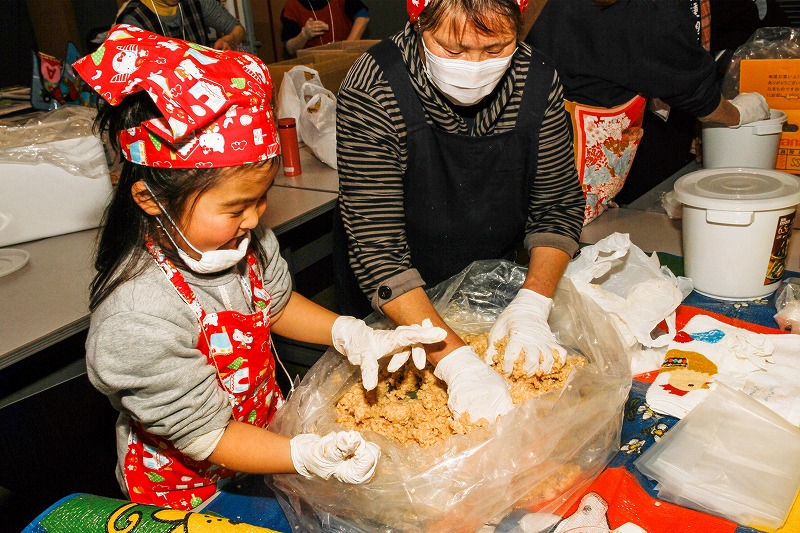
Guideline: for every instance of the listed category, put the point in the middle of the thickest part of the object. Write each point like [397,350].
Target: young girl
[189,287]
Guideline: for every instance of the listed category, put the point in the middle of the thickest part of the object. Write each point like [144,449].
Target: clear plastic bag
[730,456]
[765,43]
[58,138]
[787,303]
[534,457]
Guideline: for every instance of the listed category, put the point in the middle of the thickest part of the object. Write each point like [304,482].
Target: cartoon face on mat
[687,372]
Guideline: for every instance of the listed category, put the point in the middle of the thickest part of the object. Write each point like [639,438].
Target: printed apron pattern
[605,142]
[240,349]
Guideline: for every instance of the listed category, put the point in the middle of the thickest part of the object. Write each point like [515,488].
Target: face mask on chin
[211,261]
[465,82]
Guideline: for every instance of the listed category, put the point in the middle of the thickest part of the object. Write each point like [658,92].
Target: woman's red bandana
[415,7]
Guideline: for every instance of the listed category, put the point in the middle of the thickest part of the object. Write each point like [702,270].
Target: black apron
[466,198]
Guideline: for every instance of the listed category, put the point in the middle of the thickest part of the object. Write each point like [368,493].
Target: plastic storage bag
[533,457]
[630,285]
[787,302]
[60,138]
[730,456]
[317,122]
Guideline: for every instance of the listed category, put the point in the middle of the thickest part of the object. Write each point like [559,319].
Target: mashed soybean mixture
[410,405]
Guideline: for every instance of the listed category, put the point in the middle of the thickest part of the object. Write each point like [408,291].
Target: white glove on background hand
[344,455]
[525,323]
[473,387]
[363,346]
[752,107]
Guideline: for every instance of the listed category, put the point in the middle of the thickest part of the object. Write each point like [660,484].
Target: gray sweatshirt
[141,352]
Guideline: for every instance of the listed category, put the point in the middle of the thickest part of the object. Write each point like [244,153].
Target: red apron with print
[239,347]
[605,142]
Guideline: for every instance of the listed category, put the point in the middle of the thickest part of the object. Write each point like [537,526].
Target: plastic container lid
[738,189]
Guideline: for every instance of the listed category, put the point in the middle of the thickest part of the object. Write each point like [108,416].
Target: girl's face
[221,216]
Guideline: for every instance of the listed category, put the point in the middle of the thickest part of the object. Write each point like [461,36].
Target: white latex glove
[752,107]
[344,455]
[473,387]
[525,323]
[363,346]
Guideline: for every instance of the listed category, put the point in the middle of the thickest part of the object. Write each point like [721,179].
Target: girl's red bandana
[215,103]
[415,7]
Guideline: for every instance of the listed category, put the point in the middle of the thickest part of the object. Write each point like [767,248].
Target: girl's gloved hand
[363,346]
[525,323]
[344,455]
[472,386]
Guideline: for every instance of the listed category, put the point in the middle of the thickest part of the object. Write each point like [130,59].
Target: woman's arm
[359,27]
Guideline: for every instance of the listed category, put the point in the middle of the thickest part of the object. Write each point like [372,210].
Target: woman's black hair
[125,226]
[483,14]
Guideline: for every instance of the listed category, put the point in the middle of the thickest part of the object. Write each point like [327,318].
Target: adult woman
[613,55]
[308,23]
[453,146]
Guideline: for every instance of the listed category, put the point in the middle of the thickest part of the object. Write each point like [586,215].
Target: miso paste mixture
[410,405]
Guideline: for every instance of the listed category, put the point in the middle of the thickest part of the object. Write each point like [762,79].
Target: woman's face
[222,216]
[460,39]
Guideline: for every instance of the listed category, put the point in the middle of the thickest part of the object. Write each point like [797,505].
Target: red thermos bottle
[287,129]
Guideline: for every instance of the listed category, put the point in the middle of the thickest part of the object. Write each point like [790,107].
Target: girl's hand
[344,455]
[363,346]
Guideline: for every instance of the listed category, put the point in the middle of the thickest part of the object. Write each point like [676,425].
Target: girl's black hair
[125,226]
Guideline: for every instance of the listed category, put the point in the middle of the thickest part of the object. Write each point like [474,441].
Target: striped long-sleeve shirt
[372,155]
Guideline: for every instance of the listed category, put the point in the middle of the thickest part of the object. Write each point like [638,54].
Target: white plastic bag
[631,286]
[317,122]
[290,99]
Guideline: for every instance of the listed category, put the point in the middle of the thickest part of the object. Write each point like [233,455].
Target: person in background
[189,20]
[453,145]
[189,285]
[616,56]
[308,23]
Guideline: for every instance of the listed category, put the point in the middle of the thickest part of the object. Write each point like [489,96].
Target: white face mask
[214,260]
[209,262]
[465,82]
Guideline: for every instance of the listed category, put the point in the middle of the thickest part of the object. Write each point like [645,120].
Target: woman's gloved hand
[752,107]
[344,455]
[525,323]
[363,346]
[472,386]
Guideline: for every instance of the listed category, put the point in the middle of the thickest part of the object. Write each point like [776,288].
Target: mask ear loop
[172,222]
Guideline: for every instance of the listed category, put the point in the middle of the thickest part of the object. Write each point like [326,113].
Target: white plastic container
[43,199]
[753,145]
[737,223]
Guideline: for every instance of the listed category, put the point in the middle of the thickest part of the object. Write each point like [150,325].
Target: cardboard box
[779,81]
[341,47]
[332,68]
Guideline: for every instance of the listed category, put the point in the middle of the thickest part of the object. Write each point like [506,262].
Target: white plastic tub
[753,145]
[737,223]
